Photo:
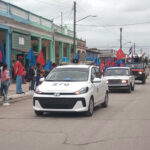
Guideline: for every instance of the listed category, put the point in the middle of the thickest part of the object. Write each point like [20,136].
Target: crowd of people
[20,75]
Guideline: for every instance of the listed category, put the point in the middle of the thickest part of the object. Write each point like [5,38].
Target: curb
[10,97]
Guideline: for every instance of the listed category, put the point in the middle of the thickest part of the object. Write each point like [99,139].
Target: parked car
[120,78]
[140,71]
[71,88]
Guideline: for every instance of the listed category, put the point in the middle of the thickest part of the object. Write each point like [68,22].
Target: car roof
[118,68]
[74,66]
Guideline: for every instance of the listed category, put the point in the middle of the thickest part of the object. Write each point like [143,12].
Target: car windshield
[139,66]
[68,74]
[115,72]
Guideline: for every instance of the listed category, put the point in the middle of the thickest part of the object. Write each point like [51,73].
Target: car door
[97,86]
[94,85]
[102,87]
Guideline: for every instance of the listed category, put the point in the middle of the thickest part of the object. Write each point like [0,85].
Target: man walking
[19,73]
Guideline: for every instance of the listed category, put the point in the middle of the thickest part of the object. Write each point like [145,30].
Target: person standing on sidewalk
[1,68]
[32,77]
[19,73]
[5,84]
[38,72]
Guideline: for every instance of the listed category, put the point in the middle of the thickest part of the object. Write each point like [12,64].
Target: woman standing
[5,83]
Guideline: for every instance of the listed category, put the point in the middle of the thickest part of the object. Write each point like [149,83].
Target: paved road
[124,125]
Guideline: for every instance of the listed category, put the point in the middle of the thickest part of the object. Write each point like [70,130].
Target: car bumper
[61,103]
[118,87]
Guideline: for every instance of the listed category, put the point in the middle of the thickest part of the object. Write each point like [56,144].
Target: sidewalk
[12,91]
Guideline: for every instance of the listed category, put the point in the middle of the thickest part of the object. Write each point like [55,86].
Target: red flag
[121,65]
[108,62]
[120,54]
[102,65]
[40,59]
[143,54]
[0,56]
[113,63]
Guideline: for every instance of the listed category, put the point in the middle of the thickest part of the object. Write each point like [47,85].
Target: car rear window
[115,72]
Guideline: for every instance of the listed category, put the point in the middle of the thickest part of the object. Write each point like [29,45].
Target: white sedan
[120,78]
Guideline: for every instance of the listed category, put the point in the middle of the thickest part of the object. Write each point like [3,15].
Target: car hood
[116,77]
[47,86]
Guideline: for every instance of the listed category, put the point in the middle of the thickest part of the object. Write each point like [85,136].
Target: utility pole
[61,20]
[74,29]
[121,38]
[134,48]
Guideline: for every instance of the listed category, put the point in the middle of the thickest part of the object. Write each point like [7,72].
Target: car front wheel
[90,108]
[132,88]
[105,103]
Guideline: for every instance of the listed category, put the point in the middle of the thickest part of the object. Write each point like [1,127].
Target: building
[101,53]
[21,30]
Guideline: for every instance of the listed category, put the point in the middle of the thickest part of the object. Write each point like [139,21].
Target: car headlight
[124,81]
[140,72]
[107,81]
[37,91]
[82,91]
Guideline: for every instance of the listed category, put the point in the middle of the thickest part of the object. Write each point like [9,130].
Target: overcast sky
[102,31]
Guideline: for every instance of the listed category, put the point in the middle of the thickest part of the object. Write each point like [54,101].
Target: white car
[120,78]
[71,88]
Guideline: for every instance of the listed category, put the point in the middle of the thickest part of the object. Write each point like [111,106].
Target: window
[68,74]
[98,73]
[93,73]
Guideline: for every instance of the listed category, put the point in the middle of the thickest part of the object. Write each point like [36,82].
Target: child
[5,84]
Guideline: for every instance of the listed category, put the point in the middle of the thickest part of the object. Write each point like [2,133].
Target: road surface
[124,125]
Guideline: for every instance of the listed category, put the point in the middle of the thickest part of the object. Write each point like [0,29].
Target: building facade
[101,53]
[21,30]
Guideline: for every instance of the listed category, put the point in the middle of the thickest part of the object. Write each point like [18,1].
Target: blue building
[21,30]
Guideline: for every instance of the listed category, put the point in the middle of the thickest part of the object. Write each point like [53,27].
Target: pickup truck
[140,71]
[120,78]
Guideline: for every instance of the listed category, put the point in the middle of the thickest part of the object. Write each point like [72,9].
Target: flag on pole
[102,65]
[97,61]
[48,66]
[113,63]
[143,54]
[131,50]
[120,54]
[31,58]
[2,57]
[40,58]
[108,61]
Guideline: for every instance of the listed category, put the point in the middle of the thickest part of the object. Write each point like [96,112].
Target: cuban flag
[131,50]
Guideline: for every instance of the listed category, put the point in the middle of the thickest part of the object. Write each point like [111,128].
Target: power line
[121,25]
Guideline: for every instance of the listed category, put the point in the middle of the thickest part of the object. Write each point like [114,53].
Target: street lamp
[86,17]
[74,36]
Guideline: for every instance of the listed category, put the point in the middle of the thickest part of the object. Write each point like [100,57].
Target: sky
[103,30]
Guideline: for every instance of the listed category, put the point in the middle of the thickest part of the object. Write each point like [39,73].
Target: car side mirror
[96,80]
[42,79]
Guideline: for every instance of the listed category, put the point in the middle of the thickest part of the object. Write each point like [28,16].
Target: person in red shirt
[18,73]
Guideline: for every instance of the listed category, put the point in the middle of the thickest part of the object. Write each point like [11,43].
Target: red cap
[20,57]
